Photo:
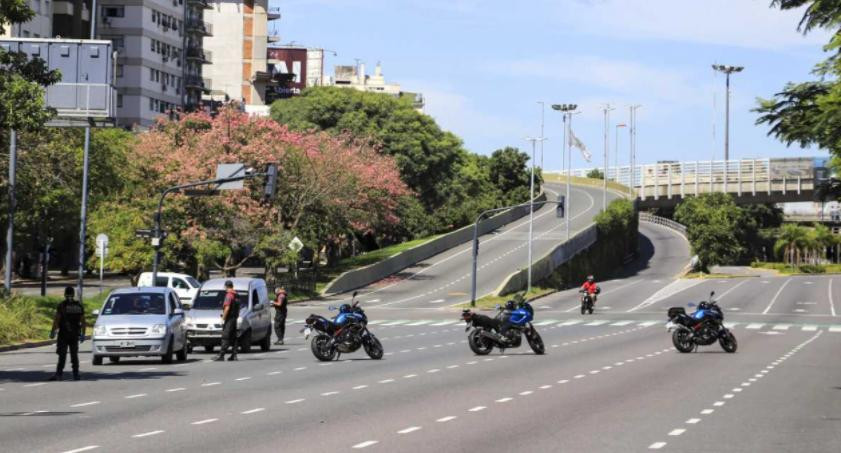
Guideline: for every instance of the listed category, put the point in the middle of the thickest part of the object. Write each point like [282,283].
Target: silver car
[140,322]
[254,325]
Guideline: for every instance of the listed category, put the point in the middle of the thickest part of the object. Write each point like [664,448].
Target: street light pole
[566,110]
[531,204]
[632,145]
[727,70]
[607,109]
[616,152]
[542,114]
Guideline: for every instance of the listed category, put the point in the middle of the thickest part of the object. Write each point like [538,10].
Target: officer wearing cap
[230,313]
[69,322]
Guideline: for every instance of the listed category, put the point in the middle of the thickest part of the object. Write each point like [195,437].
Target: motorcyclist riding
[590,287]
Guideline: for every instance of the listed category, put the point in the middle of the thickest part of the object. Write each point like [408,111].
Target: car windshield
[212,299]
[135,304]
[193,282]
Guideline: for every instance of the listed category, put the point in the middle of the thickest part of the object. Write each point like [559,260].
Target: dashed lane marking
[150,433]
[446,419]
[205,421]
[80,450]
[367,443]
[657,445]
[253,411]
[89,403]
[408,430]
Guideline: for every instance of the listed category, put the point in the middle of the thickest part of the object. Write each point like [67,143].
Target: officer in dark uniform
[230,313]
[69,321]
[280,311]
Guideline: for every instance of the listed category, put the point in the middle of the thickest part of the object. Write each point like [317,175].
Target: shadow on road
[87,375]
[36,414]
[641,263]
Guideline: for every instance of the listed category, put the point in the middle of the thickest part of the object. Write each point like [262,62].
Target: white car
[140,322]
[184,285]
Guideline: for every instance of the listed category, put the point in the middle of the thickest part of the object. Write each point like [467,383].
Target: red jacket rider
[590,287]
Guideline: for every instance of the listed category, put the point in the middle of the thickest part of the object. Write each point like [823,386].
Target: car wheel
[245,343]
[167,357]
[182,354]
[97,360]
[208,348]
[266,344]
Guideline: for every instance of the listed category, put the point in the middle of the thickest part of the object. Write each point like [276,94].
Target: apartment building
[239,45]
[39,27]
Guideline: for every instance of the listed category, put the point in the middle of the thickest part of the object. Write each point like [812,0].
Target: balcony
[198,27]
[273,38]
[204,4]
[194,82]
[273,13]
[200,55]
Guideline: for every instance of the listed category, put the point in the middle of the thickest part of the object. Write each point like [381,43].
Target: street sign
[102,240]
[559,209]
[230,171]
[296,245]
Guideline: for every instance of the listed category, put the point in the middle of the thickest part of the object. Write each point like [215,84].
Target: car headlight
[99,331]
[158,329]
[189,323]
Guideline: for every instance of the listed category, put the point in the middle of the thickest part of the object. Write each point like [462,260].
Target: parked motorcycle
[345,333]
[701,328]
[503,331]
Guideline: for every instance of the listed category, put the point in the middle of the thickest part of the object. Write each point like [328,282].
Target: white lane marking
[831,303]
[408,430]
[677,432]
[243,378]
[131,397]
[578,376]
[782,326]
[728,396]
[360,387]
[776,296]
[718,403]
[253,411]
[89,403]
[300,368]
[450,367]
[329,393]
[707,411]
[571,322]
[669,290]
[274,373]
[205,421]
[810,328]
[409,376]
[693,421]
[835,329]
[177,389]
[295,401]
[36,384]
[148,369]
[656,445]
[546,322]
[526,393]
[563,381]
[504,400]
[210,384]
[150,433]
[545,387]
[376,321]
[754,326]
[597,323]
[386,381]
[367,443]
[444,323]
[419,323]
[437,301]
[434,370]
[396,322]
[79,450]
[622,323]
[446,419]
[477,409]
[649,323]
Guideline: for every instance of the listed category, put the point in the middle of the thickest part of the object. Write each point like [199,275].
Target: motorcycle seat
[486,322]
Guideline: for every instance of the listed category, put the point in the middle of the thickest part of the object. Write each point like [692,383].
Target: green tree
[510,173]
[595,174]
[791,239]
[713,225]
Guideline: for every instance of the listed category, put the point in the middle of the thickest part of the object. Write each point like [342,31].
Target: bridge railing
[662,221]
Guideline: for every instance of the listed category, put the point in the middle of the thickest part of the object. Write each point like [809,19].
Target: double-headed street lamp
[727,70]
[566,110]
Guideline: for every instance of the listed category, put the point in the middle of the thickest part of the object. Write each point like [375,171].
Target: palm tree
[824,239]
[791,239]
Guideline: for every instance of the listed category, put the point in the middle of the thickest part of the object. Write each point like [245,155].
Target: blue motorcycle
[345,333]
[701,328]
[503,331]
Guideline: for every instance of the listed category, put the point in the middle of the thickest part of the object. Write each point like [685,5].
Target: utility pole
[727,70]
[607,109]
[632,145]
[10,229]
[531,204]
[542,114]
[566,110]
[616,151]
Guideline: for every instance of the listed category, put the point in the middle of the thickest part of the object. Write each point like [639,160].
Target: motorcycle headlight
[158,329]
[99,331]
[239,323]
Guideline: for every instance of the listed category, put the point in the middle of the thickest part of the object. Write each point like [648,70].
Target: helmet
[510,305]
[69,291]
[590,278]
[345,308]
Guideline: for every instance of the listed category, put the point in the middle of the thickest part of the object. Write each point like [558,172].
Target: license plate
[307,332]
[126,344]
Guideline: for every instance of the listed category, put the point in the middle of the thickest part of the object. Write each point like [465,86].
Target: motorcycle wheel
[590,309]
[321,348]
[682,341]
[583,308]
[536,342]
[478,344]
[728,342]
[373,347]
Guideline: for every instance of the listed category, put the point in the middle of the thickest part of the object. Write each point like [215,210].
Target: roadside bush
[811,269]
[19,319]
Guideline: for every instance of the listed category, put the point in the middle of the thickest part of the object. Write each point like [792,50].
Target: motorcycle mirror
[355,293]
[712,293]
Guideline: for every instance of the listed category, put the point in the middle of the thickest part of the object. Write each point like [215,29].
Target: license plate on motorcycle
[307,332]
[126,344]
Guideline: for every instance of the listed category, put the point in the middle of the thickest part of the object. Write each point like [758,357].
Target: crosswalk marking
[571,322]
[810,328]
[649,323]
[444,323]
[782,326]
[376,321]
[597,323]
[754,326]
[419,323]
[546,322]
[731,325]
[835,329]
[397,322]
[622,323]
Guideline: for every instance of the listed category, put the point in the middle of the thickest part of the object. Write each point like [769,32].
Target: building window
[119,100]
[119,42]
[113,11]
[119,70]
[153,45]
[151,104]
[26,33]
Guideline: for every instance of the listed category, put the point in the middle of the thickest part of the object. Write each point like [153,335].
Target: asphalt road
[444,279]
[609,382]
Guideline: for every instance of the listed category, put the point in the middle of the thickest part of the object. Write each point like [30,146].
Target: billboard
[289,61]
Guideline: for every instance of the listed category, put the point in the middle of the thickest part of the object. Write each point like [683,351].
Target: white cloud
[740,23]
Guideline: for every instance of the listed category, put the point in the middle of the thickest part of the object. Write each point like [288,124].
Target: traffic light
[271,182]
[559,209]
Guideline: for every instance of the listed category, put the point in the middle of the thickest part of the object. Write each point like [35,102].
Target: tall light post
[566,110]
[632,145]
[616,151]
[607,109]
[727,70]
[531,202]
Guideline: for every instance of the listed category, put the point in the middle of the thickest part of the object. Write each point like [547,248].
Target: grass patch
[490,302]
[579,181]
[702,275]
[787,269]
[30,318]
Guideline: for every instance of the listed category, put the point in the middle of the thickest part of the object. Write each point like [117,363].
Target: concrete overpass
[665,184]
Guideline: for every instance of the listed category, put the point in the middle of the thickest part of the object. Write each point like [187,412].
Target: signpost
[101,252]
[296,245]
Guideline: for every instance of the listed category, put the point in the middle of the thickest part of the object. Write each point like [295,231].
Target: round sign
[102,240]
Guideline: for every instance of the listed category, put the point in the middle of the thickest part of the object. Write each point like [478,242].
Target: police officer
[280,311]
[69,321]
[230,313]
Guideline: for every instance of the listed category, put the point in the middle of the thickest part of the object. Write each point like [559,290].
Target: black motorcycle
[503,331]
[587,300]
[345,333]
[701,328]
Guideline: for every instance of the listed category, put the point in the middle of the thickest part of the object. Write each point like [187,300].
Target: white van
[184,285]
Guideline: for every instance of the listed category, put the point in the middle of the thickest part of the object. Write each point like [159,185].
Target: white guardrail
[662,221]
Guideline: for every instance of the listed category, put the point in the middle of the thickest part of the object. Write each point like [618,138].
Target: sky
[483,66]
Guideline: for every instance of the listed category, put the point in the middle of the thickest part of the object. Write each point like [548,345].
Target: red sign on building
[290,61]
